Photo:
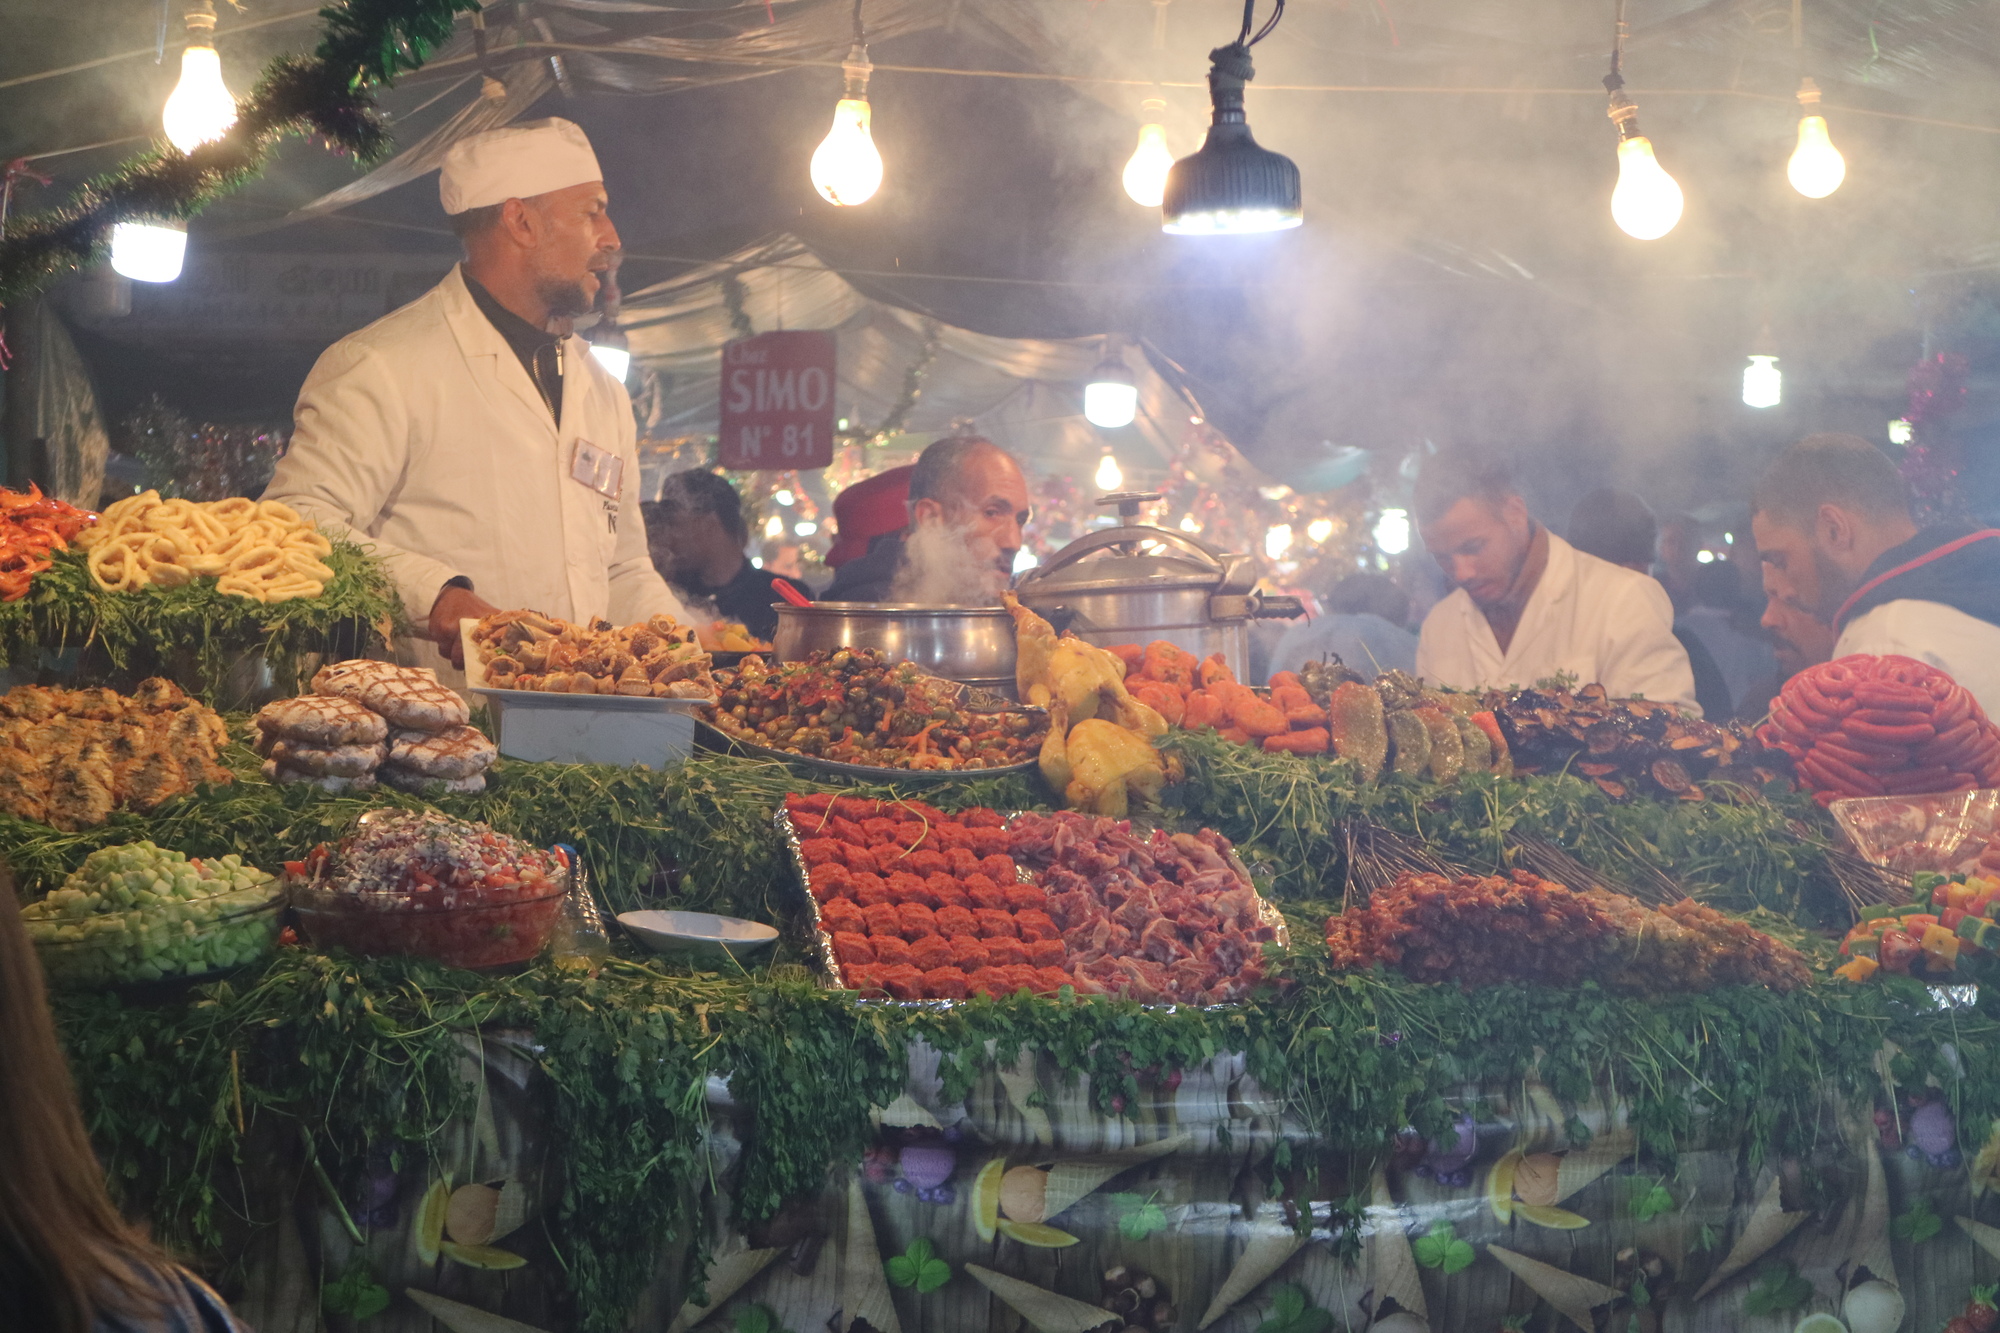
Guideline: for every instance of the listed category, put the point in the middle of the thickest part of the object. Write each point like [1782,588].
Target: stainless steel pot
[1135,583]
[973,644]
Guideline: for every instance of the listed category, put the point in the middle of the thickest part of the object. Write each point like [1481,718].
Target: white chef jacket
[1597,621]
[1964,647]
[423,438]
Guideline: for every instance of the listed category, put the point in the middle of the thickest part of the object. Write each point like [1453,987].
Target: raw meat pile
[922,905]
[1153,917]
[1521,928]
[1882,726]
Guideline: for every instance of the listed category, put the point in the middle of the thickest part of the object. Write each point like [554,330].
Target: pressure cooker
[1135,583]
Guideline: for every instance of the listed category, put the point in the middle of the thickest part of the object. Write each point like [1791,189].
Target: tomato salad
[427,884]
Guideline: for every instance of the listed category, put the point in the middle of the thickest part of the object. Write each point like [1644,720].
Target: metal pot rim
[895,608]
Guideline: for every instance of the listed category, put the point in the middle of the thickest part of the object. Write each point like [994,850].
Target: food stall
[1141,1000]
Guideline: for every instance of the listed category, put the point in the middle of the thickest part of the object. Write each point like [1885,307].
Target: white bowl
[700,937]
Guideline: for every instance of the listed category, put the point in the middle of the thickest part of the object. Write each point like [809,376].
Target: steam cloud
[949,564]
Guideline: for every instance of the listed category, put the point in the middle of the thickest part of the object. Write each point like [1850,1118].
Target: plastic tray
[1943,833]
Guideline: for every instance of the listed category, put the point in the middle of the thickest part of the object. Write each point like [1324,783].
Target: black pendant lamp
[1231,186]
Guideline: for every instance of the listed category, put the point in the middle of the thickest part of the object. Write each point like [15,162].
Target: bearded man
[968,503]
[469,439]
[1839,543]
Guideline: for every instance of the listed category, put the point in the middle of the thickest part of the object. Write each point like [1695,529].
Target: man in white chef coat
[470,439]
[1528,605]
[1838,542]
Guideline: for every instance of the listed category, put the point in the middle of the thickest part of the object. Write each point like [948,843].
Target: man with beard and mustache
[1833,527]
[1529,605]
[968,502]
[469,439]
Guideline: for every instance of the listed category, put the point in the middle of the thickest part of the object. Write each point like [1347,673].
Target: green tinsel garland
[362,43]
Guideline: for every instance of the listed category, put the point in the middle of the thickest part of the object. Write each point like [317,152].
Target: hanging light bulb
[1277,541]
[200,108]
[1110,397]
[149,251]
[1319,529]
[1146,170]
[1230,185]
[846,168]
[1817,168]
[1109,476]
[1763,382]
[1646,203]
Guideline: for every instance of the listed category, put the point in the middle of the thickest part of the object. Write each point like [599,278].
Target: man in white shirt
[470,439]
[1834,530]
[1528,605]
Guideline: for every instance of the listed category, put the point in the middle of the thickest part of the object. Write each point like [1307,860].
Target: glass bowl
[488,932]
[211,935]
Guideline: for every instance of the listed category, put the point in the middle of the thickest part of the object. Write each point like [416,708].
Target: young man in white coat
[470,439]
[1528,605]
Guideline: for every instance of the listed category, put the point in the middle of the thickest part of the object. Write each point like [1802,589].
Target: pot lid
[1136,557]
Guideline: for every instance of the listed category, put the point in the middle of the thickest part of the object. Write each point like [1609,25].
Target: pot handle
[1255,606]
[1097,541]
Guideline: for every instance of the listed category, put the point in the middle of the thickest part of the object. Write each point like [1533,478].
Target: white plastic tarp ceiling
[1025,394]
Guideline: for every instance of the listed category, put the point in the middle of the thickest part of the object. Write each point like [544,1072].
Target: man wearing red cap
[470,439]
[968,503]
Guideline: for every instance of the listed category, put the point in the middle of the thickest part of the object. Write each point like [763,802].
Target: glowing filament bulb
[1647,201]
[1278,541]
[200,109]
[1146,170]
[1319,529]
[846,168]
[1109,477]
[1817,168]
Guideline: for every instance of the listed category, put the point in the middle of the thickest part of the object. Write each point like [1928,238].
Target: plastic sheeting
[633,47]
[50,398]
[1025,394]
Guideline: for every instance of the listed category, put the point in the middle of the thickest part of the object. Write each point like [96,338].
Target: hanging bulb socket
[857,67]
[1647,202]
[1231,184]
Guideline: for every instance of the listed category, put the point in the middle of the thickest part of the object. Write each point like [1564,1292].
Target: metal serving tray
[832,976]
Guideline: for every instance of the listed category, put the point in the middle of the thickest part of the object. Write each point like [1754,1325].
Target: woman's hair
[65,1252]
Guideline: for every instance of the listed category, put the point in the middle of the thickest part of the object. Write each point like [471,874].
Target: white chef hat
[517,162]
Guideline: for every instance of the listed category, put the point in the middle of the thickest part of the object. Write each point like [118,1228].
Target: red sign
[777,401]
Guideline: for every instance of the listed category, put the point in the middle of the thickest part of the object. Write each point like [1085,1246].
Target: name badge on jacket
[599,469]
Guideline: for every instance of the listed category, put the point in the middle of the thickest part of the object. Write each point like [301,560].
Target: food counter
[1368,1028]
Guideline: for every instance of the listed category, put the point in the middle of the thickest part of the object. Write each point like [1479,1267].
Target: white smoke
[949,564]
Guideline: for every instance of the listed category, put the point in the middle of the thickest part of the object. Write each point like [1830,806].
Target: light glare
[1233,222]
[1319,529]
[200,108]
[1817,168]
[1109,476]
[617,360]
[1146,170]
[1763,382]
[1392,532]
[1278,541]
[1109,405]
[846,168]
[149,251]
[1647,201]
